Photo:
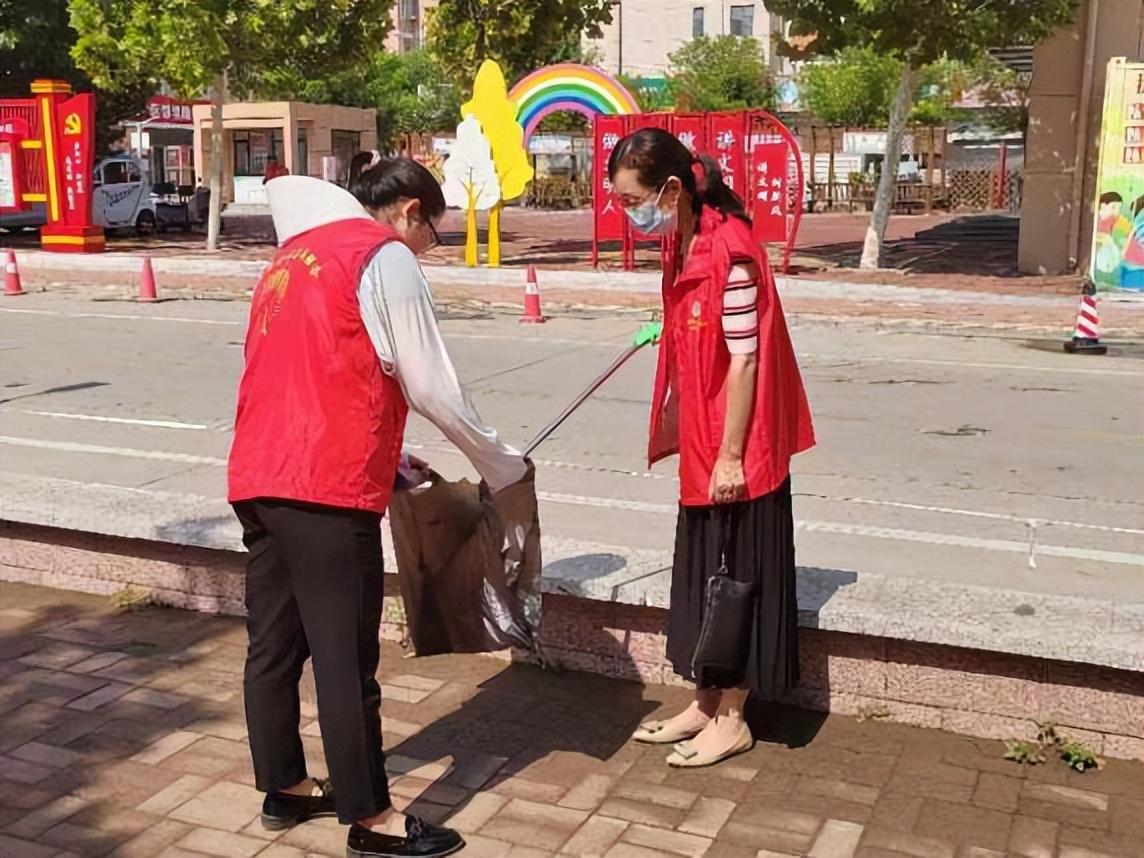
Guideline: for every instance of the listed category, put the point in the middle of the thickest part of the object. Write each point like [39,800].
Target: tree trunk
[494,235]
[887,184]
[214,218]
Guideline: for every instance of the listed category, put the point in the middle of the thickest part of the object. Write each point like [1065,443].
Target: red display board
[607,217]
[758,156]
[51,138]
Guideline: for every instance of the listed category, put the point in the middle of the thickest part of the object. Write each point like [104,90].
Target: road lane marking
[1014,367]
[131,421]
[863,530]
[99,449]
[618,340]
[809,526]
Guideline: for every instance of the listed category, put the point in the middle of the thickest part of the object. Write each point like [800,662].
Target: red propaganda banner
[725,144]
[163,108]
[607,215]
[769,206]
[75,119]
[688,127]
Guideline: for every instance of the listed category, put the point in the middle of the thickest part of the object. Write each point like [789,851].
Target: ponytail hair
[379,182]
[657,156]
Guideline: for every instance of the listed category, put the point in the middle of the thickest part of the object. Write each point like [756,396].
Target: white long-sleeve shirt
[398,312]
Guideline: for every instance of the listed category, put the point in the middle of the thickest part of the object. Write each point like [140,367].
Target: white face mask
[650,219]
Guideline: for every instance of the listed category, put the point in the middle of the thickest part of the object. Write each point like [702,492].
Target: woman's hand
[728,484]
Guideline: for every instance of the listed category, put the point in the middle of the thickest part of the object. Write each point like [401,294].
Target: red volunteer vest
[690,396]
[318,421]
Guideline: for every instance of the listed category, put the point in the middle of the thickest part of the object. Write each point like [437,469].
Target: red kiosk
[46,157]
[759,157]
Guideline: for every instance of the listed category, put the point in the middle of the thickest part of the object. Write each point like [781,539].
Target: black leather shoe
[281,810]
[421,840]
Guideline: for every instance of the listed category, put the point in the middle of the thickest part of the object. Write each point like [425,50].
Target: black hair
[393,179]
[657,155]
[1110,197]
[1138,206]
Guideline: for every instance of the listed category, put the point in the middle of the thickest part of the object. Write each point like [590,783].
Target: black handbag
[720,659]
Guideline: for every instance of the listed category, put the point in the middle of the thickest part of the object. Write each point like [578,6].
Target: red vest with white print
[318,421]
[689,402]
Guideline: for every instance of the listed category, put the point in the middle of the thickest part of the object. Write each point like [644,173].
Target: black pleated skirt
[760,548]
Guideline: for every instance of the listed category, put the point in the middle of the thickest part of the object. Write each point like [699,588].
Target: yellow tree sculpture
[491,106]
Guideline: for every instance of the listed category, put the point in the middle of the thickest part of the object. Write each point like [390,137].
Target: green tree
[521,35]
[917,36]
[410,92]
[36,41]
[720,73]
[222,47]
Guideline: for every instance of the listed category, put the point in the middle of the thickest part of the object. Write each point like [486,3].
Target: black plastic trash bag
[468,564]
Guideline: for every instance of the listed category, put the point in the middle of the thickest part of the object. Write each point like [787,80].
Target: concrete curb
[1085,631]
[629,282]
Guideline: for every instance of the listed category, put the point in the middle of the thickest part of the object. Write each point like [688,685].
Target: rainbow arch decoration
[569,86]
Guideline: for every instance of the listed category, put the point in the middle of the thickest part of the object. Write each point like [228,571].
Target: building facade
[408,33]
[1061,154]
[643,33]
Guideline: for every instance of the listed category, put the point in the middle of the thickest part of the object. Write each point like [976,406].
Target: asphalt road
[937,453]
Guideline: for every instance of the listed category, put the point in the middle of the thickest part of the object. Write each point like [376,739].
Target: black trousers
[314,590]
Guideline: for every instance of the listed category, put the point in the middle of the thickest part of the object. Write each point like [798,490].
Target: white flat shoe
[662,733]
[686,756]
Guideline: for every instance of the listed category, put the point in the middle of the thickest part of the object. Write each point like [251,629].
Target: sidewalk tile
[766,838]
[837,839]
[907,844]
[97,662]
[474,771]
[100,697]
[708,817]
[477,846]
[181,791]
[152,841]
[531,824]
[998,792]
[588,794]
[221,843]
[515,787]
[667,796]
[281,850]
[226,806]
[643,813]
[595,837]
[165,747]
[477,811]
[1033,838]
[838,789]
[962,823]
[158,699]
[23,772]
[11,847]
[678,843]
[48,816]
[45,755]
[630,850]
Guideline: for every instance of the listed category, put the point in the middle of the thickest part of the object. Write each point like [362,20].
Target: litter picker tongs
[649,334]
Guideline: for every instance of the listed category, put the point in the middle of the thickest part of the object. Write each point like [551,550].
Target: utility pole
[619,6]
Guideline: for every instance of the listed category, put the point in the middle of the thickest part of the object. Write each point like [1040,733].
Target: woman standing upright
[729,400]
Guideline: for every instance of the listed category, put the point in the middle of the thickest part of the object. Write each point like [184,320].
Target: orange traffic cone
[148,294]
[532,314]
[1086,333]
[12,276]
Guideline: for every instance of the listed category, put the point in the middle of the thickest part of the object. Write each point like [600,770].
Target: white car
[122,198]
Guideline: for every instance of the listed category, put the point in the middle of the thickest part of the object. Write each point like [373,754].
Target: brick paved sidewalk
[122,734]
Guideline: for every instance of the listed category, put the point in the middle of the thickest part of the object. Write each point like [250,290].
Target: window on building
[345,144]
[742,20]
[252,149]
[697,22]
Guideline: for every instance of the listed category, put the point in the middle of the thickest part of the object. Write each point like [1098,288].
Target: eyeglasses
[435,237]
